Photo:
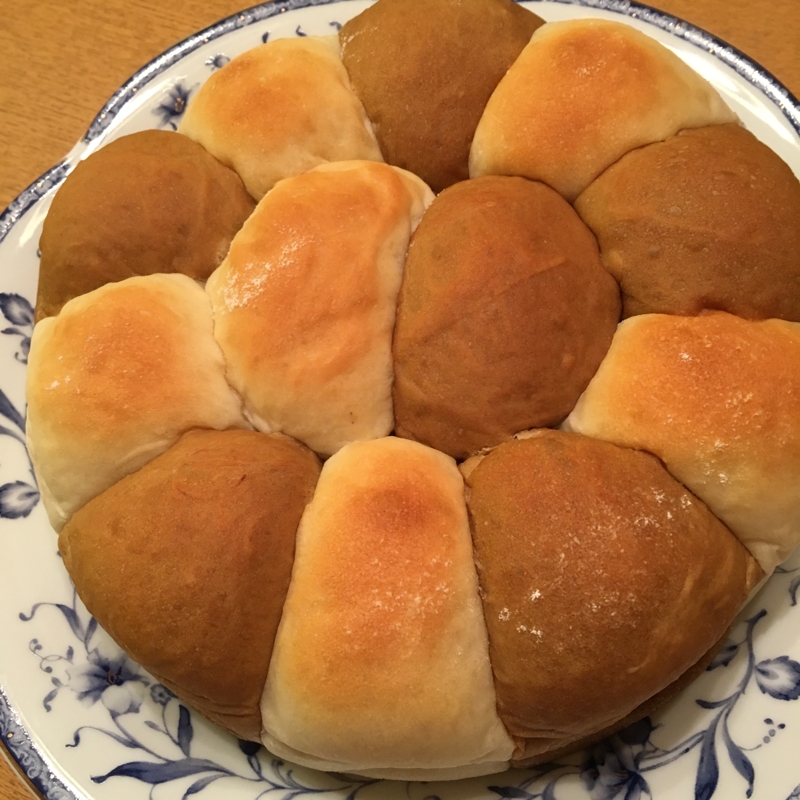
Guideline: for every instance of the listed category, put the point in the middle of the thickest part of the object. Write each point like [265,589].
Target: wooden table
[60,62]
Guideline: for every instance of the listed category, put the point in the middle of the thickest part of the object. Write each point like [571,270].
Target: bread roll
[381,662]
[505,313]
[203,542]
[280,109]
[304,305]
[115,379]
[708,219]
[581,95]
[153,201]
[603,580]
[717,399]
[424,73]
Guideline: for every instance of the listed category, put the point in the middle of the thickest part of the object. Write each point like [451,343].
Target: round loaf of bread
[504,315]
[390,612]
[706,220]
[425,71]
[149,202]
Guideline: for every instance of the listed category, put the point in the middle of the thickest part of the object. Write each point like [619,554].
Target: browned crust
[424,73]
[603,582]
[708,219]
[504,315]
[153,201]
[381,659]
[187,562]
[529,751]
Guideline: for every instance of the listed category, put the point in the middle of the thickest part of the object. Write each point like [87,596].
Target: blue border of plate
[13,734]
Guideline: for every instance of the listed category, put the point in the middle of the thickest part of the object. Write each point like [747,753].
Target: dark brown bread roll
[505,313]
[708,219]
[203,543]
[153,201]
[425,70]
[603,581]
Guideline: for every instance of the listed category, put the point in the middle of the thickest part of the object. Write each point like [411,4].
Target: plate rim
[18,743]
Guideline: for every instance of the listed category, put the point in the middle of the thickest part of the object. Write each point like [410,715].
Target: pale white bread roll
[115,379]
[581,95]
[381,664]
[304,304]
[717,399]
[280,109]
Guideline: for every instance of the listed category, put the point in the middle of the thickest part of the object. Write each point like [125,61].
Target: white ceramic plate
[85,722]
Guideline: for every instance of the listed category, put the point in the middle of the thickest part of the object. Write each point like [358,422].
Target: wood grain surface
[61,61]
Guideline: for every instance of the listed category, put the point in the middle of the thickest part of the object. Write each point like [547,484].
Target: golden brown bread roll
[115,379]
[381,662]
[504,315]
[280,109]
[717,399]
[153,201]
[304,304]
[708,219]
[603,580]
[424,71]
[203,543]
[582,94]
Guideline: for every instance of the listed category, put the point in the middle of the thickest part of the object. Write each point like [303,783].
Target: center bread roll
[504,315]
[304,304]
[381,663]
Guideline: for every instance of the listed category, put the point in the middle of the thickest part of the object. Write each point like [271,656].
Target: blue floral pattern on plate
[74,707]
[17,498]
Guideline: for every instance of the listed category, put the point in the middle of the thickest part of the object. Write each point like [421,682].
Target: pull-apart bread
[305,415]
